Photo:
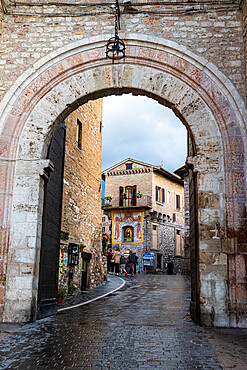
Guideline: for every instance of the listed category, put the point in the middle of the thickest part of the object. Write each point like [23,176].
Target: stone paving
[145,325]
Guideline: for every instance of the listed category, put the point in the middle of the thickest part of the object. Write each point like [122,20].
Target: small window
[178,205]
[160,194]
[154,227]
[168,196]
[128,166]
[79,134]
[103,229]
[158,189]
[103,219]
[174,217]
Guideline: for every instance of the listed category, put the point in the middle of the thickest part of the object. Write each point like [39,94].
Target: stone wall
[244,5]
[201,84]
[214,34]
[81,217]
[168,208]
[142,181]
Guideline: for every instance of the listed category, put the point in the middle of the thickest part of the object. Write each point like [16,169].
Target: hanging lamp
[115,47]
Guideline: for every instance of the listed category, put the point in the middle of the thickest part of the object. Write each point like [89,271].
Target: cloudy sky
[140,128]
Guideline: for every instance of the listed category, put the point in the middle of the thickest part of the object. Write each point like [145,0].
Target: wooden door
[51,227]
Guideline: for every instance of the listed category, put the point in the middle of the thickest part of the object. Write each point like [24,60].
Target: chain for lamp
[117,18]
[115,47]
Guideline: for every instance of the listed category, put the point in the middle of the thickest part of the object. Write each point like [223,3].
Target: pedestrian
[109,259]
[136,262]
[122,263]
[132,261]
[116,258]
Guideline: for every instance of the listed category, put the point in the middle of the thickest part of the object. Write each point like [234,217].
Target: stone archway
[205,101]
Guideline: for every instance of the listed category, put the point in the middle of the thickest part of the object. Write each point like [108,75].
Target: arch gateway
[209,102]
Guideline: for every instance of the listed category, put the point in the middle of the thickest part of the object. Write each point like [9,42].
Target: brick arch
[202,97]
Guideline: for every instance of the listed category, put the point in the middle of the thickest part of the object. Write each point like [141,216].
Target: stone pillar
[25,241]
[244,9]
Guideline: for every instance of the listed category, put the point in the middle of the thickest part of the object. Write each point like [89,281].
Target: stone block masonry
[244,5]
[28,34]
[81,217]
[195,68]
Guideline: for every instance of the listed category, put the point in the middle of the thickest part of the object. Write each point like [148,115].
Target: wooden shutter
[157,193]
[163,195]
[134,195]
[120,196]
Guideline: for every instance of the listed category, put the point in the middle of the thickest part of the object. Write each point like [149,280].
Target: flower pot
[60,299]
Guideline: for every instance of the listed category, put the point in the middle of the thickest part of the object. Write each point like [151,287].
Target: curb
[94,299]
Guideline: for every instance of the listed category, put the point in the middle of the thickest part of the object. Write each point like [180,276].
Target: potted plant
[61,295]
[109,199]
[82,246]
[123,196]
[138,194]
[72,288]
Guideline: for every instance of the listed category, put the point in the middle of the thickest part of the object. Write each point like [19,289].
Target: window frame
[178,203]
[160,194]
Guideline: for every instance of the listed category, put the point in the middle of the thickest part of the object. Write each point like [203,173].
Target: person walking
[116,258]
[136,263]
[132,261]
[109,258]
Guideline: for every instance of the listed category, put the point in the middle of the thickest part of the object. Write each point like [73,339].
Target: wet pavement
[145,325]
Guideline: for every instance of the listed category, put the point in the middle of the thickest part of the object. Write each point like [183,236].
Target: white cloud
[141,128]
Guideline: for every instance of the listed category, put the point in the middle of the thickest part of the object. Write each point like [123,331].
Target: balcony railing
[144,201]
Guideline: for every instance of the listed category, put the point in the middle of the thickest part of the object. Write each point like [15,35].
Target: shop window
[79,134]
[128,234]
[73,255]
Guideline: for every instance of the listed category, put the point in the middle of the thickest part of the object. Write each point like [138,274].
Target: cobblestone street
[145,325]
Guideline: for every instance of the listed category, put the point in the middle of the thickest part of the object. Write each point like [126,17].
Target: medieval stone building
[146,206]
[189,56]
[80,262]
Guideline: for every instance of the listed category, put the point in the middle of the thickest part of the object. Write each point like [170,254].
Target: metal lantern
[115,47]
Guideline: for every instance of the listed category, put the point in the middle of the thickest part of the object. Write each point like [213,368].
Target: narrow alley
[144,325]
